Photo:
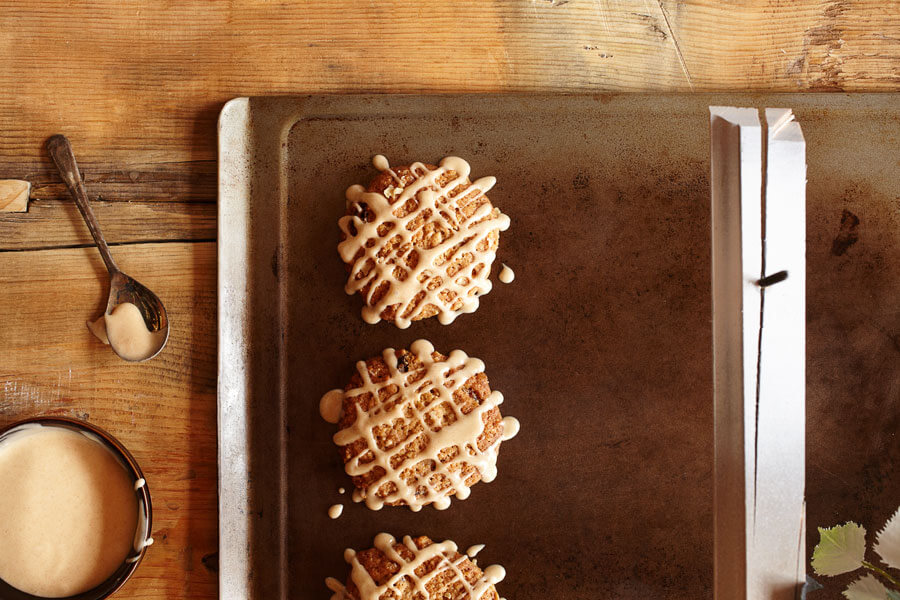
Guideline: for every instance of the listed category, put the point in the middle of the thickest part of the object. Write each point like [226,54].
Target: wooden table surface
[138,88]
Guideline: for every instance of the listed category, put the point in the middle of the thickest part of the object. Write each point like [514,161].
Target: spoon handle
[61,152]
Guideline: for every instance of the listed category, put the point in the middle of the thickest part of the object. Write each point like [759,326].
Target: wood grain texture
[137,88]
[164,410]
[57,223]
[135,84]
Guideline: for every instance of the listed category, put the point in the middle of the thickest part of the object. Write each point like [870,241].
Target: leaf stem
[881,572]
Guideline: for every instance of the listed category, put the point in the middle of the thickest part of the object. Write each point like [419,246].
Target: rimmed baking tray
[601,346]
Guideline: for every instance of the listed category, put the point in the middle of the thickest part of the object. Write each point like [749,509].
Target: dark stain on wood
[653,25]
[822,50]
[274,265]
[824,35]
[191,474]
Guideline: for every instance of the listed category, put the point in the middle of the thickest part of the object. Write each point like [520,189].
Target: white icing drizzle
[380,162]
[442,378]
[138,547]
[335,510]
[340,592]
[473,551]
[506,274]
[341,490]
[495,573]
[511,428]
[437,278]
[139,484]
[330,405]
[406,576]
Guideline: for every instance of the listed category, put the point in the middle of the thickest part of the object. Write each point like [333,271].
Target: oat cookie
[418,427]
[420,241]
[415,569]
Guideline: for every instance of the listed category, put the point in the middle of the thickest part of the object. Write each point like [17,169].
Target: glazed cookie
[416,569]
[420,241]
[417,427]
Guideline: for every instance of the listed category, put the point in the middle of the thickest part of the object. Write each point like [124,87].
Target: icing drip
[335,511]
[381,247]
[380,162]
[506,275]
[473,551]
[330,405]
[340,592]
[401,400]
[409,574]
[511,428]
[495,573]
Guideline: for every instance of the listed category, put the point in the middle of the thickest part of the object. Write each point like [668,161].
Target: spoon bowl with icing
[135,323]
[77,511]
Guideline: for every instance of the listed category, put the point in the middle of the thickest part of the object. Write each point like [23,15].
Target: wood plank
[163,410]
[57,223]
[134,85]
[191,181]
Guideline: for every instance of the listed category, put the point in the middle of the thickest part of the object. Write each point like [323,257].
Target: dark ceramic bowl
[145,509]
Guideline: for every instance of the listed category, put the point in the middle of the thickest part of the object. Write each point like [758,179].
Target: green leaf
[866,588]
[840,549]
[893,595]
[887,543]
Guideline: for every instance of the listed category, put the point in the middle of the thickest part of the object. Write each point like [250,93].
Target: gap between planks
[91,245]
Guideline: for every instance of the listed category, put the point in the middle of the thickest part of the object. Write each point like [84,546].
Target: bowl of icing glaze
[75,511]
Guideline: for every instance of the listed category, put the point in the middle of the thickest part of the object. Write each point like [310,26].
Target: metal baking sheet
[601,346]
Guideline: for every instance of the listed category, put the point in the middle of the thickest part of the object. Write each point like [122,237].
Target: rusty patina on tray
[601,346]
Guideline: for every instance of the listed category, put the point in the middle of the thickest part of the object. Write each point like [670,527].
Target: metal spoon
[122,288]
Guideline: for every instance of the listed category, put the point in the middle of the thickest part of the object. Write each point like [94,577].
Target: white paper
[758,352]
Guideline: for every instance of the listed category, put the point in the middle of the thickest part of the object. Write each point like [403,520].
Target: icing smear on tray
[450,449]
[414,571]
[389,254]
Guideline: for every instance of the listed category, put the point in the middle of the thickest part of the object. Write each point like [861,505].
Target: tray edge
[233,147]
